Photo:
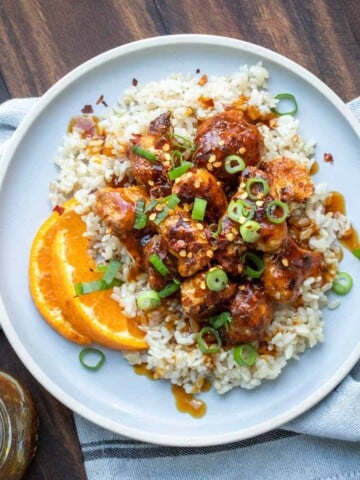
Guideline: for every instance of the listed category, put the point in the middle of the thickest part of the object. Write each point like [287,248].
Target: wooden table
[41,40]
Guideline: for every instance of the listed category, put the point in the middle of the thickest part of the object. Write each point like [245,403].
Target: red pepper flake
[59,209]
[87,109]
[203,80]
[328,158]
[134,82]
[198,70]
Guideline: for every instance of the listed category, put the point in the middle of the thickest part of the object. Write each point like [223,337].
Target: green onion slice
[249,231]
[240,209]
[160,217]
[176,158]
[91,353]
[150,205]
[272,209]
[216,279]
[183,142]
[178,171]
[259,193]
[199,208]
[158,264]
[144,153]
[203,346]
[221,320]
[286,96]
[342,284]
[140,217]
[102,267]
[169,289]
[254,265]
[111,271]
[216,233]
[356,252]
[148,300]
[234,164]
[84,288]
[171,201]
[245,355]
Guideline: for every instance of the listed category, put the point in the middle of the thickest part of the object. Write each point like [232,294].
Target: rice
[84,167]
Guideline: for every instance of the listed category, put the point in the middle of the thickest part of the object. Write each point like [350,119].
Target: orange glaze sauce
[335,202]
[185,402]
[314,168]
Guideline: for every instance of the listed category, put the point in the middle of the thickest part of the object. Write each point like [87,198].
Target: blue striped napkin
[322,444]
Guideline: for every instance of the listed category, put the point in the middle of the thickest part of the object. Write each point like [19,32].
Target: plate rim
[9,329]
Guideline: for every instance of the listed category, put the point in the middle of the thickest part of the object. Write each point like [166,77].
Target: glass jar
[18,428]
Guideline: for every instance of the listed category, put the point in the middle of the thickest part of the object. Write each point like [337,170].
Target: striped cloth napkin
[322,444]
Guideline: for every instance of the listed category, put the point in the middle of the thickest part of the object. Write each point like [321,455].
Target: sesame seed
[244,195]
[217,164]
[197,184]
[242,220]
[200,226]
[182,253]
[221,142]
[167,156]
[242,150]
[152,216]
[295,138]
[159,207]
[285,262]
[212,158]
[151,183]
[202,286]
[242,185]
[189,255]
[259,203]
[230,236]
[209,253]
[166,147]
[209,167]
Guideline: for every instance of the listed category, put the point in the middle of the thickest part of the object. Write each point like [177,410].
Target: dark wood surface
[41,40]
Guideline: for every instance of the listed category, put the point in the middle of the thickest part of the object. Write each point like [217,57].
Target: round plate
[115,397]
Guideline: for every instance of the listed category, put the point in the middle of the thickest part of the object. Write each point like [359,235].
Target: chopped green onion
[286,96]
[216,279]
[203,346]
[171,201]
[140,217]
[248,231]
[148,300]
[178,171]
[218,230]
[252,260]
[240,209]
[245,355]
[176,155]
[111,271]
[101,267]
[169,289]
[356,252]
[183,142]
[342,284]
[160,217]
[151,205]
[234,164]
[144,153]
[221,320]
[84,288]
[157,263]
[90,353]
[257,181]
[199,208]
[271,209]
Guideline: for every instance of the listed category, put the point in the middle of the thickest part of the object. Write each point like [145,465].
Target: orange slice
[96,314]
[41,287]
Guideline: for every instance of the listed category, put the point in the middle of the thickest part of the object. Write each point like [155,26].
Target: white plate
[115,397]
